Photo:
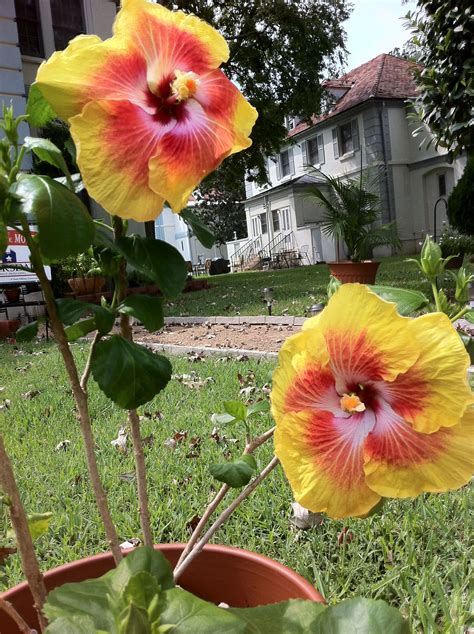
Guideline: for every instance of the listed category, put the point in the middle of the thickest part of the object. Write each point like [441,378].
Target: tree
[280,51]
[220,205]
[461,201]
[442,30]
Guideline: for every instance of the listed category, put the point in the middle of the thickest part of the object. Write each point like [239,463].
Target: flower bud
[333,285]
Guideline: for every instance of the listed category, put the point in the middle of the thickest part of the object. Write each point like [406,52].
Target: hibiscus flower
[369,404]
[150,111]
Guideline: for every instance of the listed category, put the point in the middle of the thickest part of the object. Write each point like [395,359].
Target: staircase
[253,256]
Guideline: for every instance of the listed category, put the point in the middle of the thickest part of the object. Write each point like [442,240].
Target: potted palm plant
[352,214]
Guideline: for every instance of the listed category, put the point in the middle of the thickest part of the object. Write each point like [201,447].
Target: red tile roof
[384,77]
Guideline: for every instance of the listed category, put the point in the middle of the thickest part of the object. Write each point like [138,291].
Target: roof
[304,180]
[384,77]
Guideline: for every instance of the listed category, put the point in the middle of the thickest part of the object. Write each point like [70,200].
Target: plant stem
[220,495]
[87,368]
[460,314]
[224,516]
[80,396]
[8,608]
[24,542]
[133,418]
[434,289]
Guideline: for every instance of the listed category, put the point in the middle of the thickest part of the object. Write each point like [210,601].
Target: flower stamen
[184,86]
[351,403]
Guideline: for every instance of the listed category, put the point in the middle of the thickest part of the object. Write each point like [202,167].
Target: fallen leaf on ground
[152,415]
[148,440]
[31,394]
[5,404]
[304,519]
[63,445]
[120,443]
[193,522]
[345,536]
[127,477]
[133,542]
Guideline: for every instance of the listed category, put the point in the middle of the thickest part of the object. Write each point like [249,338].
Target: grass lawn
[415,555]
[295,290]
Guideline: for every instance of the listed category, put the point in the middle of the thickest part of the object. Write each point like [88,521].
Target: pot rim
[250,556]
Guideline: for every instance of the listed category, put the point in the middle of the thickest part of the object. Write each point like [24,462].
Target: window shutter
[278,166]
[292,160]
[355,134]
[320,149]
[304,151]
[335,143]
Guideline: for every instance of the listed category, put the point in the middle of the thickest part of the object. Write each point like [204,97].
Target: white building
[367,126]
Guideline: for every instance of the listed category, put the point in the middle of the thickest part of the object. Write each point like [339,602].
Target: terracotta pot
[12,294]
[456,262]
[220,573]
[362,272]
[8,327]
[86,285]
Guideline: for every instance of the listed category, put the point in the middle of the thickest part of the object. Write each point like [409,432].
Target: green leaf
[135,621]
[156,259]
[37,108]
[236,473]
[64,225]
[147,309]
[236,409]
[38,523]
[70,310]
[223,419]
[188,614]
[129,374]
[141,589]
[469,316]
[27,333]
[46,151]
[3,237]
[260,406]
[295,616]
[81,329]
[354,616]
[74,624]
[407,300]
[104,318]
[71,148]
[200,230]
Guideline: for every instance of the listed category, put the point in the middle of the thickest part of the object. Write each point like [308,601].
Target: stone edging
[251,320]
[170,348]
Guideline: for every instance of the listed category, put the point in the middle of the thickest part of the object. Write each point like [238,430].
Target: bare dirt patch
[250,337]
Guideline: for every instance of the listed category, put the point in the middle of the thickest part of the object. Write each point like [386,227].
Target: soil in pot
[220,573]
[362,272]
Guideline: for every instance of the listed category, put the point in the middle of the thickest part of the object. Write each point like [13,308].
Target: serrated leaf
[260,406]
[200,230]
[37,108]
[135,621]
[27,332]
[70,310]
[361,615]
[408,301]
[187,613]
[46,151]
[129,374]
[74,624]
[236,409]
[236,473]
[156,259]
[141,589]
[64,225]
[146,308]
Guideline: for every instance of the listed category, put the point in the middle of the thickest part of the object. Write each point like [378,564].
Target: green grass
[295,290]
[415,555]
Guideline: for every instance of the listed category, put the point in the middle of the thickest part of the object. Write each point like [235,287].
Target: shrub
[461,201]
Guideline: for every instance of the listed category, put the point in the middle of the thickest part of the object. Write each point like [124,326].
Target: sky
[375,27]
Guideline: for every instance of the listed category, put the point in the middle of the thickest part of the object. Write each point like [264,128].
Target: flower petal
[434,392]
[173,38]
[401,462]
[322,457]
[114,142]
[365,336]
[197,145]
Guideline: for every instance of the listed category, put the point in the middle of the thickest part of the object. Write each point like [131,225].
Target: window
[29,27]
[315,150]
[276,221]
[263,223]
[285,219]
[290,122]
[285,164]
[255,227]
[442,185]
[68,21]
[345,138]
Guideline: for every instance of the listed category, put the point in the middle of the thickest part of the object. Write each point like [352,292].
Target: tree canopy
[442,33]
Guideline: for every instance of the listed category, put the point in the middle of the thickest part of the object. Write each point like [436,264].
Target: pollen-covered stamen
[184,86]
[351,403]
